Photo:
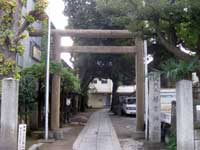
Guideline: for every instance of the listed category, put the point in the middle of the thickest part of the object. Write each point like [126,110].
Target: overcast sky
[60,22]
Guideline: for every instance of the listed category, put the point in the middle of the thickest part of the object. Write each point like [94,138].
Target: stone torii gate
[137,50]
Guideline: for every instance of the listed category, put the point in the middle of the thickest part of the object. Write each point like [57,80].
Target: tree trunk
[115,99]
[62,110]
[83,103]
[74,104]
[40,104]
[63,96]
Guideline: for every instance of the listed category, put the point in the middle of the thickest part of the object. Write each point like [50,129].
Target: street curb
[35,146]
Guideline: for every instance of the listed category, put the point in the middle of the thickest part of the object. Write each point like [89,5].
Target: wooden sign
[36,53]
[22,137]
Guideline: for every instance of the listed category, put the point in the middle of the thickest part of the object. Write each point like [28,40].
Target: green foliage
[7,67]
[41,5]
[177,21]
[56,68]
[13,25]
[27,95]
[29,18]
[172,143]
[86,15]
[69,81]
[179,69]
[36,73]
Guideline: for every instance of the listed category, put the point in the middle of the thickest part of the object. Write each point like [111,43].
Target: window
[131,101]
[104,81]
[35,51]
[94,81]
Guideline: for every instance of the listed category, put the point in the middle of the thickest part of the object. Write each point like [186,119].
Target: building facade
[32,53]
[100,92]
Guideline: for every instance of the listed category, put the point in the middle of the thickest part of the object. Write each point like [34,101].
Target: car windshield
[131,101]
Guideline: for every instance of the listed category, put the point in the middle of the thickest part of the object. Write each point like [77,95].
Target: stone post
[9,114]
[154,108]
[140,83]
[184,113]
[173,117]
[55,96]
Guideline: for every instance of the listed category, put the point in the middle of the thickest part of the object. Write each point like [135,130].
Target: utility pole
[47,76]
[146,91]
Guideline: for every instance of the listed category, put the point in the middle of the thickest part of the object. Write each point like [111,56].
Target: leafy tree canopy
[179,69]
[69,81]
[167,23]
[27,95]
[84,14]
[13,24]
[177,21]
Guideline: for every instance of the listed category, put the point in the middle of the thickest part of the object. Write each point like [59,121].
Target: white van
[129,105]
[166,98]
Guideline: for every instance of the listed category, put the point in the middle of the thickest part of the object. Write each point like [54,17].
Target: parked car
[129,106]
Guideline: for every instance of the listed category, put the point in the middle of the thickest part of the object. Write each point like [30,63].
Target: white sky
[60,22]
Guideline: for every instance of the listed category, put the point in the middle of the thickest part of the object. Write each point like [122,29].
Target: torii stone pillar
[140,84]
[55,96]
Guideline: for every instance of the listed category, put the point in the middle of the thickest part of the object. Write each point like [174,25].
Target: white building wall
[100,92]
[96,100]
[100,87]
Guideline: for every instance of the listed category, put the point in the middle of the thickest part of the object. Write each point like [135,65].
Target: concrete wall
[100,87]
[98,100]
[197,139]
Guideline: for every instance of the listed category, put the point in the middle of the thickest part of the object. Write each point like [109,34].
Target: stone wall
[98,100]
[197,139]
[196,104]
[184,113]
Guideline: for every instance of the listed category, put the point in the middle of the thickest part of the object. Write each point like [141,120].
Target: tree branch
[16,17]
[23,27]
[37,15]
[1,15]
[173,49]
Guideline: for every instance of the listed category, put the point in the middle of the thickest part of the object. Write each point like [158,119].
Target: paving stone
[98,134]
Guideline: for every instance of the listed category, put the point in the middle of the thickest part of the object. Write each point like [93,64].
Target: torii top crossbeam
[89,33]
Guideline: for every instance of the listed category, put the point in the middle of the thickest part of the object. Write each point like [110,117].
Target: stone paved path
[98,134]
